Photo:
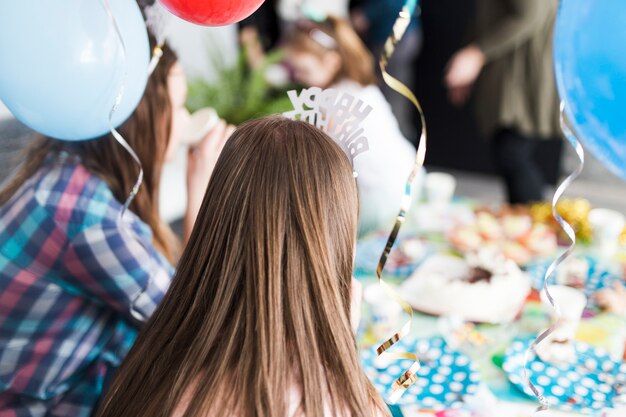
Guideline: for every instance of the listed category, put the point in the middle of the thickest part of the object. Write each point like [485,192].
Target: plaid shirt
[73,276]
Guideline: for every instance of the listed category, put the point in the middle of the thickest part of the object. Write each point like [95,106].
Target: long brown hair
[262,292]
[357,63]
[147,132]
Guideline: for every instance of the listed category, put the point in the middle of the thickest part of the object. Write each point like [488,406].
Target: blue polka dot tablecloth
[400,263]
[445,377]
[599,277]
[593,383]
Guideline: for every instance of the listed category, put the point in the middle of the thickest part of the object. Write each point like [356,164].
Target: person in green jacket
[509,64]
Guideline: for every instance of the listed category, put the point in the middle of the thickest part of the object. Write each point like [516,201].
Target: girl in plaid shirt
[76,278]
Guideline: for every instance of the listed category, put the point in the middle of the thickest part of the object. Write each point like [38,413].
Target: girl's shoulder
[70,195]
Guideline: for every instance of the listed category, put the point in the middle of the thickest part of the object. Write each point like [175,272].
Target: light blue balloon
[62,64]
[590,64]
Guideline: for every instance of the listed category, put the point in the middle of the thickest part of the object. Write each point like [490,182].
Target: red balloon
[212,12]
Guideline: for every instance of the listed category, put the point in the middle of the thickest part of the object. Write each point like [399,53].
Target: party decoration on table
[409,376]
[586,273]
[612,299]
[479,341]
[445,378]
[436,222]
[513,232]
[559,347]
[212,12]
[337,113]
[593,382]
[62,64]
[569,231]
[463,335]
[622,237]
[590,70]
[448,285]
[468,335]
[574,211]
[408,255]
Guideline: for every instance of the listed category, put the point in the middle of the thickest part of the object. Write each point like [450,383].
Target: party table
[487,378]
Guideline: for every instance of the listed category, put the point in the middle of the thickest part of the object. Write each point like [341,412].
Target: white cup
[607,226]
[385,313]
[439,188]
[200,124]
[571,303]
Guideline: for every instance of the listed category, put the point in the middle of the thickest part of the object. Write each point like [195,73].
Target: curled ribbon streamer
[569,231]
[410,375]
[118,99]
[120,139]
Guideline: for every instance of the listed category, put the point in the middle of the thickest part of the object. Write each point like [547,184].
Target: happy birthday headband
[336,113]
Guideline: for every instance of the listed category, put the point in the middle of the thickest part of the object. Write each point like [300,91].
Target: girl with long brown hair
[76,278]
[329,54]
[257,321]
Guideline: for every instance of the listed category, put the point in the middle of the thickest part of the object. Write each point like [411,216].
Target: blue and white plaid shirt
[71,273]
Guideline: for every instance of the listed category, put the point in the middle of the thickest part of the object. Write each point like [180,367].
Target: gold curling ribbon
[409,376]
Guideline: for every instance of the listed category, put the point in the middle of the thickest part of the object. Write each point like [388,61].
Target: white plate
[438,287]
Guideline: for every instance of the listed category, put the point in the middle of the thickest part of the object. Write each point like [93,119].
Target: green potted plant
[240,92]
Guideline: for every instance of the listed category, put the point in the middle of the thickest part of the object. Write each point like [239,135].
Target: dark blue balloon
[590,64]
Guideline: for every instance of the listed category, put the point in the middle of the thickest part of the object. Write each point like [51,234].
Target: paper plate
[599,277]
[591,384]
[445,378]
[440,287]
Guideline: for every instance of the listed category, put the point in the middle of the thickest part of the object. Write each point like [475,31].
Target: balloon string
[569,231]
[409,376]
[135,313]
[118,99]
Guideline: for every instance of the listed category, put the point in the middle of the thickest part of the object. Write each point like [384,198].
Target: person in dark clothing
[265,23]
[374,20]
[509,61]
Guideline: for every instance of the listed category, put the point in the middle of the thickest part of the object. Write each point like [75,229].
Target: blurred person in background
[329,54]
[292,10]
[260,32]
[509,64]
[264,29]
[373,20]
